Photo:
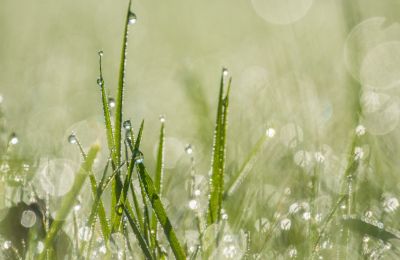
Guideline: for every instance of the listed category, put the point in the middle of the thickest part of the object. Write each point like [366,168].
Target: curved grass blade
[100,211]
[158,181]
[69,199]
[372,230]
[117,184]
[142,243]
[218,158]
[159,209]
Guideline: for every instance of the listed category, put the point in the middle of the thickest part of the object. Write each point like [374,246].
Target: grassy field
[258,129]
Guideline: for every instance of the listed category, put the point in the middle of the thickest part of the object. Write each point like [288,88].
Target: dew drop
[139,158]
[229,251]
[40,247]
[285,224]
[189,149]
[360,130]
[127,125]
[101,53]
[7,244]
[72,139]
[193,204]
[294,208]
[225,72]
[270,132]
[28,218]
[111,102]
[119,209]
[307,215]
[197,193]
[132,18]
[77,207]
[100,82]
[292,252]
[358,153]
[13,139]
[162,118]
[390,204]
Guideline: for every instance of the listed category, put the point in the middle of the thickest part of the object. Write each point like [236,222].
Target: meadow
[263,129]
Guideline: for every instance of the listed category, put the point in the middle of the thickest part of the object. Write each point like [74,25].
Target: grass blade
[117,184]
[218,157]
[142,243]
[159,209]
[69,199]
[158,180]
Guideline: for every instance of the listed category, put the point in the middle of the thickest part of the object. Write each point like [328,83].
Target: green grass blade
[159,209]
[69,199]
[372,230]
[121,86]
[100,207]
[142,243]
[218,157]
[158,180]
[117,184]
[246,167]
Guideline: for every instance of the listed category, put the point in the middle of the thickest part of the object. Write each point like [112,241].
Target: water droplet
[139,158]
[132,18]
[7,244]
[229,251]
[193,204]
[28,218]
[13,139]
[72,139]
[162,118]
[225,72]
[39,247]
[368,214]
[307,215]
[77,207]
[111,102]
[294,208]
[127,125]
[101,53]
[358,153]
[119,209]
[285,224]
[100,82]
[103,249]
[360,130]
[270,132]
[390,204]
[292,252]
[189,149]
[197,193]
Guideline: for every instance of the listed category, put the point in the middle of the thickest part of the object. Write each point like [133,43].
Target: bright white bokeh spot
[282,11]
[380,69]
[358,153]
[28,218]
[360,130]
[270,132]
[193,204]
[285,224]
[390,204]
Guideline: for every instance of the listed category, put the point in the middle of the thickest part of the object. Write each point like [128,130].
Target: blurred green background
[49,62]
[307,68]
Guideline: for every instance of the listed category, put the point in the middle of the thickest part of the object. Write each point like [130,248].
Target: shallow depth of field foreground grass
[287,146]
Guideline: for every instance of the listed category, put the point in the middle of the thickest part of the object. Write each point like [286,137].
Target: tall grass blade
[69,199]
[158,180]
[117,184]
[218,157]
[142,243]
[159,209]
